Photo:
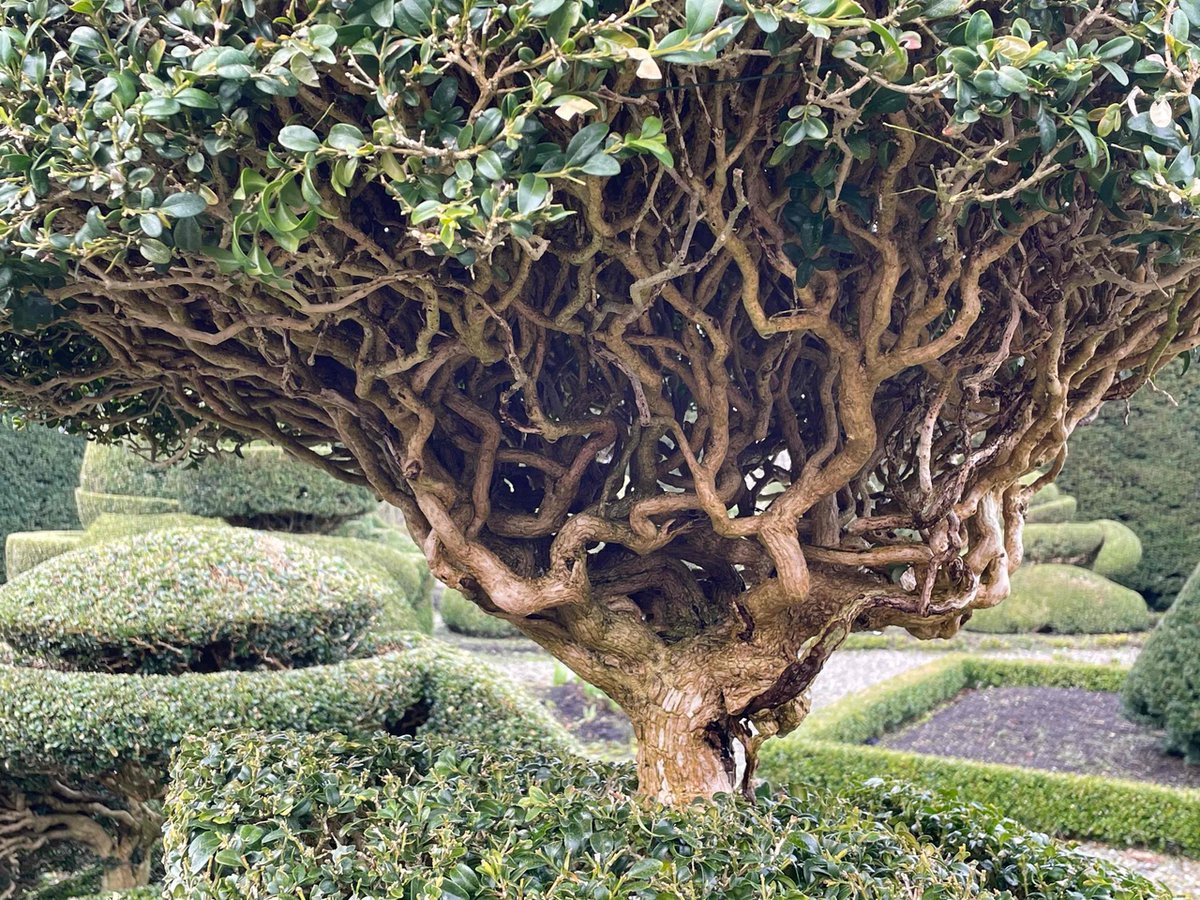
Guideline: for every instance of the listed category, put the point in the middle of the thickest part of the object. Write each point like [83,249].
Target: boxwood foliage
[37,468]
[408,604]
[1137,463]
[25,549]
[258,486]
[284,815]
[1052,597]
[464,617]
[94,723]
[112,735]
[1164,685]
[91,505]
[828,752]
[198,599]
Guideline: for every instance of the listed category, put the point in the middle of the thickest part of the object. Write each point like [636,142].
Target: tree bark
[125,875]
[680,759]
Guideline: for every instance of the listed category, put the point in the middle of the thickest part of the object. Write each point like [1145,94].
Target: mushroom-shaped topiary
[190,599]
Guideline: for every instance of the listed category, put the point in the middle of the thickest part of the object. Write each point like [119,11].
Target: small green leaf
[183,205]
[299,138]
[343,136]
[701,15]
[532,193]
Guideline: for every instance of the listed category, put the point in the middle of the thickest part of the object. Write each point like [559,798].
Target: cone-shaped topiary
[1163,688]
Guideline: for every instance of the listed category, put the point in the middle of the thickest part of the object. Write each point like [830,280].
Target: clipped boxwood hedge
[92,505]
[112,735]
[1164,685]
[1064,600]
[1061,509]
[264,487]
[373,527]
[260,486]
[1073,543]
[828,752]
[95,723]
[408,605]
[38,467]
[199,599]
[282,815]
[464,617]
[1121,552]
[25,549]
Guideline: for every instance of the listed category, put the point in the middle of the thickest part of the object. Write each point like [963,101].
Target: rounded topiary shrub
[198,599]
[1121,551]
[25,549]
[464,617]
[1163,688]
[1073,543]
[1063,599]
[271,815]
[38,467]
[408,605]
[263,487]
[1061,509]
[258,486]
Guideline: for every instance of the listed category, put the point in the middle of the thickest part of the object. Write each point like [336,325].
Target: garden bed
[1060,729]
[831,751]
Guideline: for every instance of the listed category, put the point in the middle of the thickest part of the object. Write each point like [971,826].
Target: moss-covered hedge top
[1164,686]
[289,816]
[259,486]
[190,599]
[94,723]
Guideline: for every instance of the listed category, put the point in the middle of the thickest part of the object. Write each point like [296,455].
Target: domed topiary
[464,617]
[1065,600]
[199,599]
[259,486]
[264,487]
[1163,688]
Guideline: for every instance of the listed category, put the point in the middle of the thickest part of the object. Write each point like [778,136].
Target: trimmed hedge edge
[829,752]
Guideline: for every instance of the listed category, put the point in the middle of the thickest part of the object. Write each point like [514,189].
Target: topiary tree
[1137,463]
[1163,688]
[863,267]
[37,468]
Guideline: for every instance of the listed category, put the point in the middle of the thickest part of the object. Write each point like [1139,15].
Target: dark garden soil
[592,720]
[1059,729]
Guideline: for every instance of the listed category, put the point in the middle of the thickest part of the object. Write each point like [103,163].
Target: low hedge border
[828,751]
